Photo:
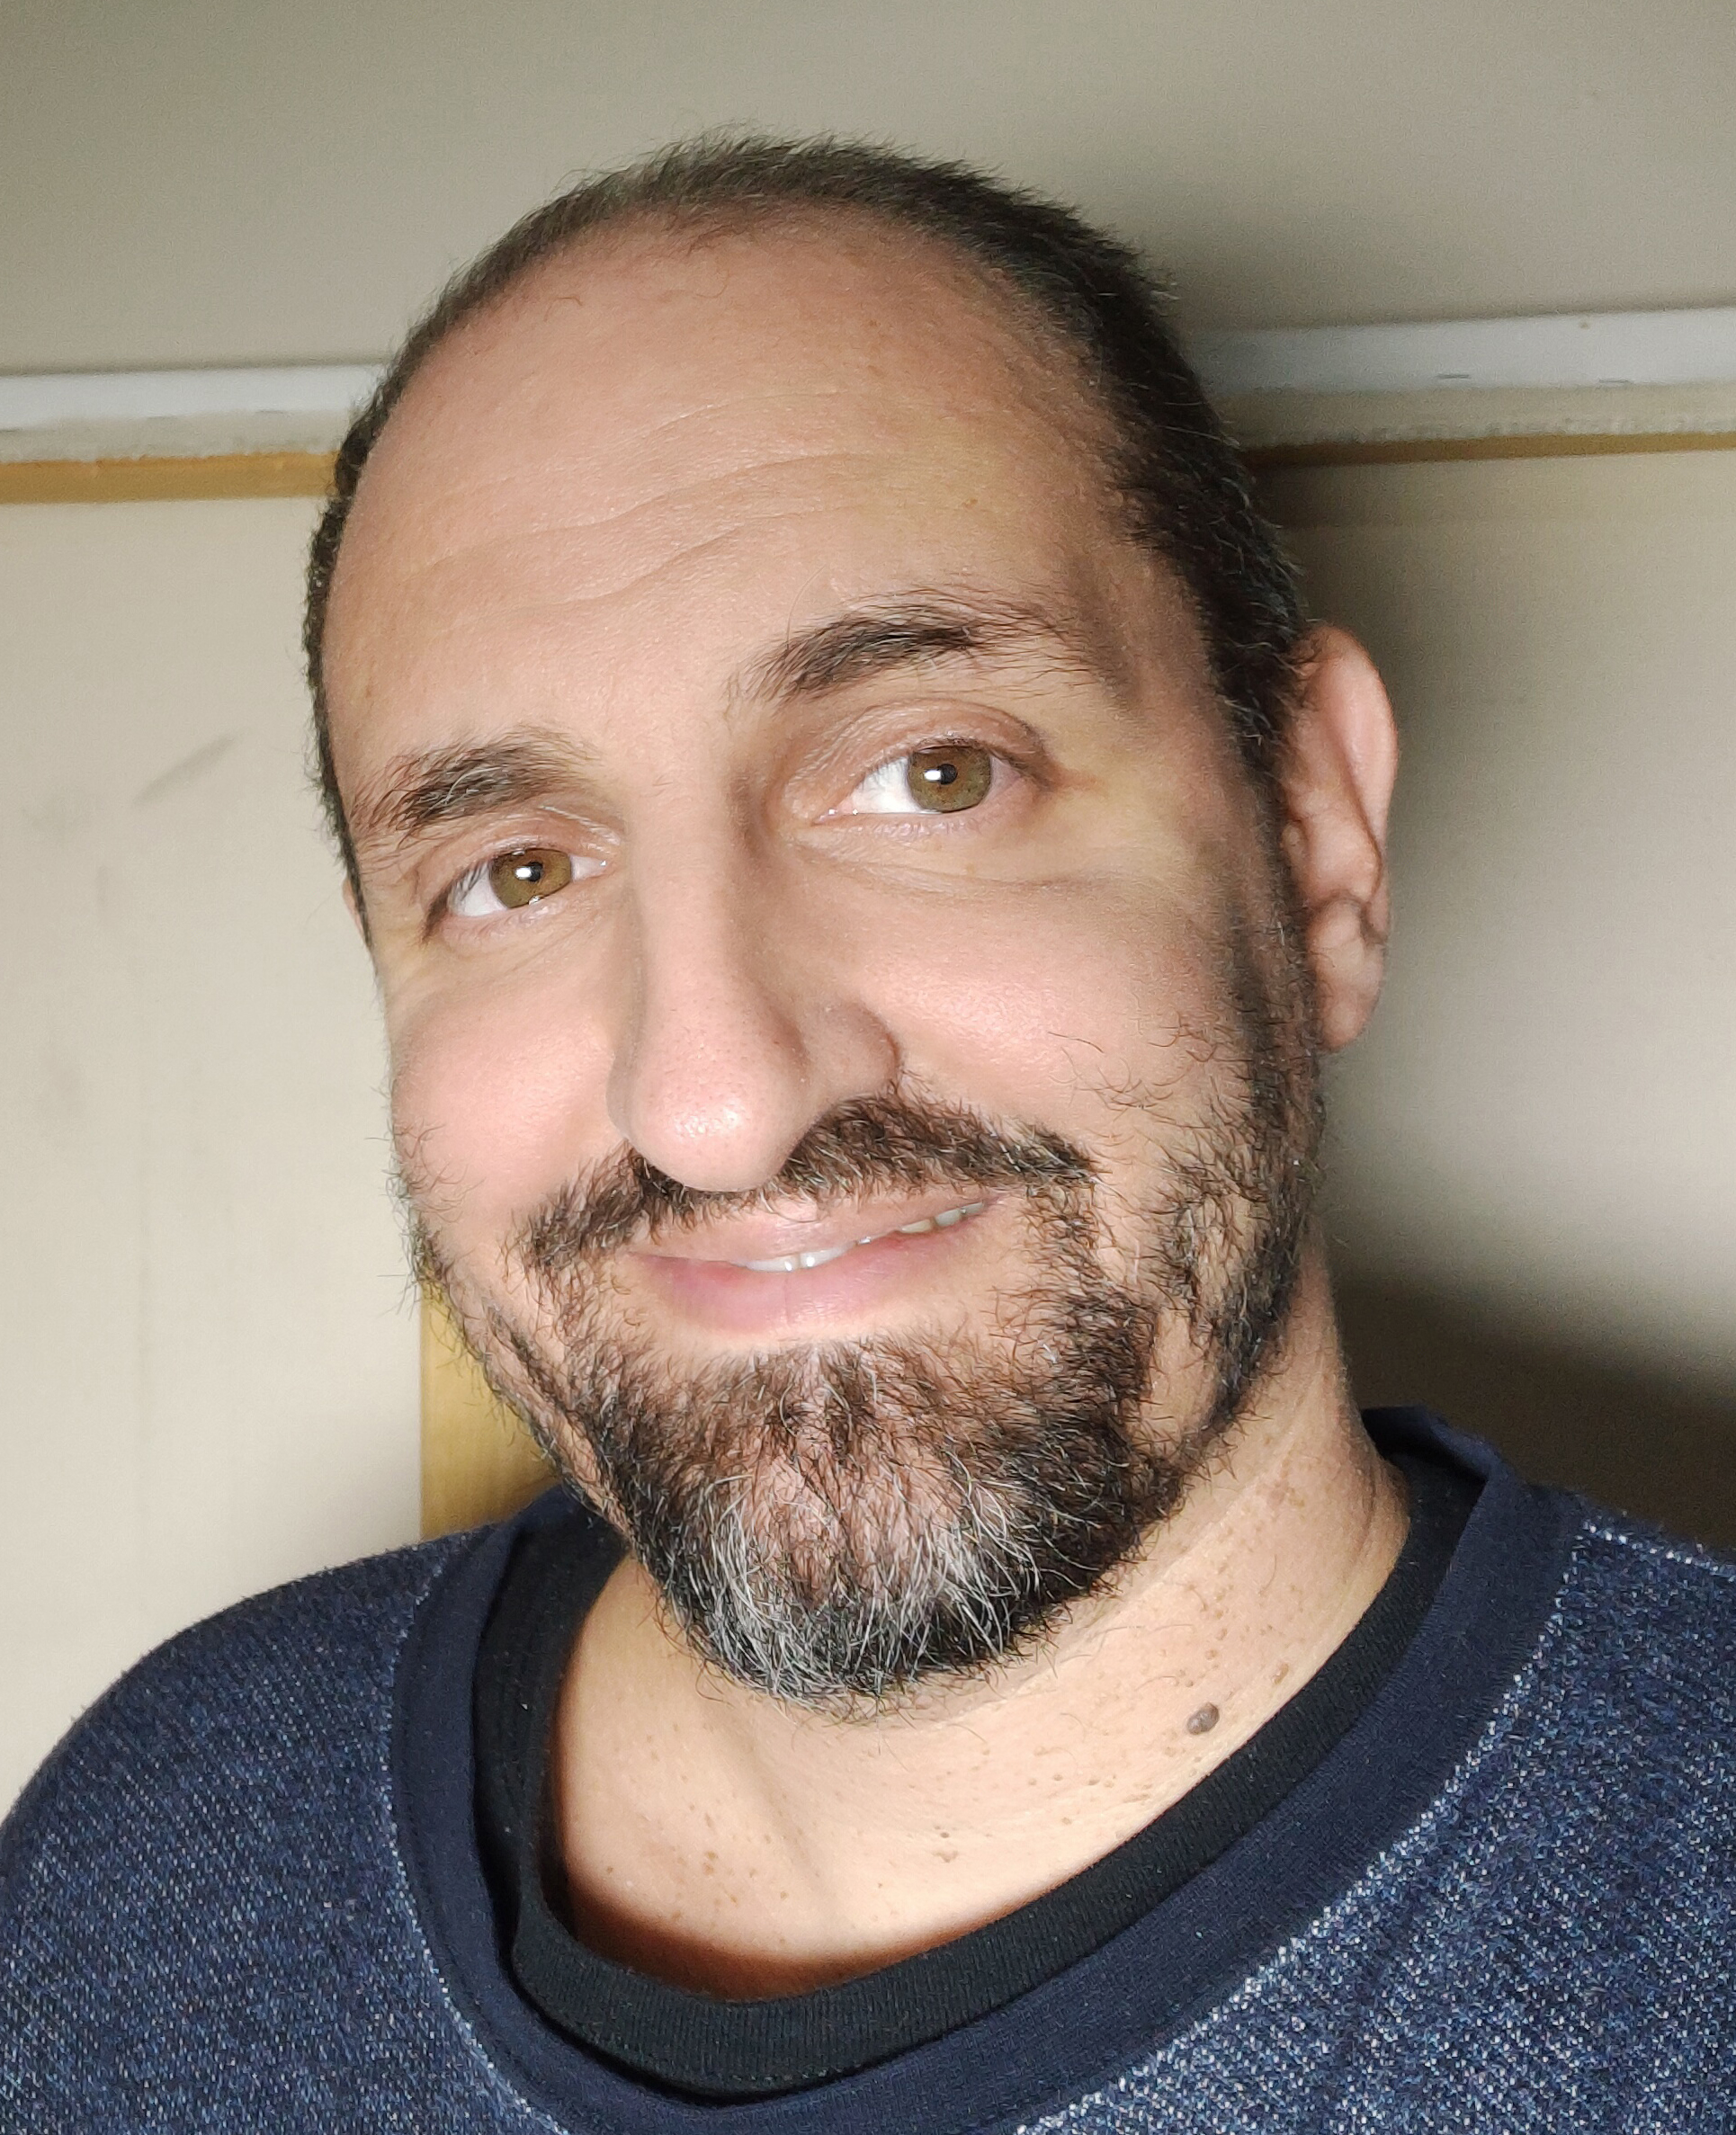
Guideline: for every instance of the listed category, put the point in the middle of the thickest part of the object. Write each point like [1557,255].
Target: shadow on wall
[1637,1441]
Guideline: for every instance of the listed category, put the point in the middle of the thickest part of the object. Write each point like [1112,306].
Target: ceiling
[198,181]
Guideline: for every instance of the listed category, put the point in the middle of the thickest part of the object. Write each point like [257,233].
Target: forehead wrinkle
[557,547]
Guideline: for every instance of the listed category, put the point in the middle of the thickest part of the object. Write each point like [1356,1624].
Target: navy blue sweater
[244,1894]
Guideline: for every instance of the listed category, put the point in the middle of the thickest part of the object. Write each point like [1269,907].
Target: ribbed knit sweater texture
[212,1918]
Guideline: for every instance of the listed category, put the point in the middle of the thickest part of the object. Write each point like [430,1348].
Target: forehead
[663,448]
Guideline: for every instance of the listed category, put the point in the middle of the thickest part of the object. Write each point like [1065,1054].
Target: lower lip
[729,1299]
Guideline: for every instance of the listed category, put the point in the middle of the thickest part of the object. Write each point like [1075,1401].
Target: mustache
[868,1146]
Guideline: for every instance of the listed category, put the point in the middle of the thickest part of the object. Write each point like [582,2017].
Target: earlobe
[1340,762]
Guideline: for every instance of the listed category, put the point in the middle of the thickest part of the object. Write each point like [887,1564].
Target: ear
[1341,758]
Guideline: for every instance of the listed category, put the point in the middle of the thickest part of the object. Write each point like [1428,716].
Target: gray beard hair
[834,1523]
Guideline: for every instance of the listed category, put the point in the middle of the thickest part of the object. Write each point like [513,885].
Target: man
[863,855]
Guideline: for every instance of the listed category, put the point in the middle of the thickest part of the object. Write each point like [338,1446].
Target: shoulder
[1612,1762]
[211,1850]
[1581,1865]
[1659,1609]
[1646,1630]
[301,1668]
[1603,1604]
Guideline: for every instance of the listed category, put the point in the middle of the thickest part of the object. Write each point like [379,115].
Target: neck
[725,1843]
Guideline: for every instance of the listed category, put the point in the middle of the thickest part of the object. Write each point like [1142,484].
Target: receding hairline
[1039,361]
[1051,282]
[1031,342]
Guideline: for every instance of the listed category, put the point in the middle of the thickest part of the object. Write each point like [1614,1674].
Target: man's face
[791,813]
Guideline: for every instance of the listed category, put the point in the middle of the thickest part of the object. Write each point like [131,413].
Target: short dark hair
[1178,475]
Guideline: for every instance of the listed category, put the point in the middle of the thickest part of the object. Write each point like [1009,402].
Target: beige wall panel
[211,1356]
[1542,1119]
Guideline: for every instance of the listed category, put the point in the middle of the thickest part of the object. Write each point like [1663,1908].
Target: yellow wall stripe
[309,474]
[144,481]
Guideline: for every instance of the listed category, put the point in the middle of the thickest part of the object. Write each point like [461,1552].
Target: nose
[739,1029]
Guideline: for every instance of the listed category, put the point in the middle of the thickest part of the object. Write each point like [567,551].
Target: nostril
[731,1051]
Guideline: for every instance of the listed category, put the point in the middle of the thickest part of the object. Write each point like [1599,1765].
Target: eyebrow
[428,789]
[916,631]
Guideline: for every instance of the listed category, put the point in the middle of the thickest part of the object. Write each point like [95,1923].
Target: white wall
[207,1354]
[195,181]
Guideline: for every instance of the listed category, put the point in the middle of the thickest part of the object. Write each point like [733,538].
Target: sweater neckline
[1102,2012]
[716,2050]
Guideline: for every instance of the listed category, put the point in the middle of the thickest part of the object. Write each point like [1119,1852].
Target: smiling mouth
[793,1262]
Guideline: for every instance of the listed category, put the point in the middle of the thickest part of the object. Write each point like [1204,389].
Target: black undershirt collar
[705,2048]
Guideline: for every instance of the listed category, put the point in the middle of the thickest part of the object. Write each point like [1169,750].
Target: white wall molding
[46,400]
[152,415]
[1318,425]
[1610,373]
[1614,375]
[1575,350]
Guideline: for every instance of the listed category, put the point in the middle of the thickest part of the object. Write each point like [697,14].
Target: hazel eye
[511,880]
[942,781]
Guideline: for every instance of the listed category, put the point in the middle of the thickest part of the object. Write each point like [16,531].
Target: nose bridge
[732,1040]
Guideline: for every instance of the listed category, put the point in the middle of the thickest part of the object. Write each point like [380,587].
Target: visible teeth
[790,1262]
[948,1217]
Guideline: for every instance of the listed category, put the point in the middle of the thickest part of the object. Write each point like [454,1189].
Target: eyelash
[473,877]
[1000,765]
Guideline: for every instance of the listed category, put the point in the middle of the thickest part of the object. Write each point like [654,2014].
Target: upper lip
[771,1236]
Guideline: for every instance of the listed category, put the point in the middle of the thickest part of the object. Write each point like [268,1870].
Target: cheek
[496,1101]
[1059,1007]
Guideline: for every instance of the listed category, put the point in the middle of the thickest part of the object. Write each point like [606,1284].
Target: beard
[835,1523]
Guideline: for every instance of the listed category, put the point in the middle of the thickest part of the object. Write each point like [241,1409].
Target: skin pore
[664,584]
